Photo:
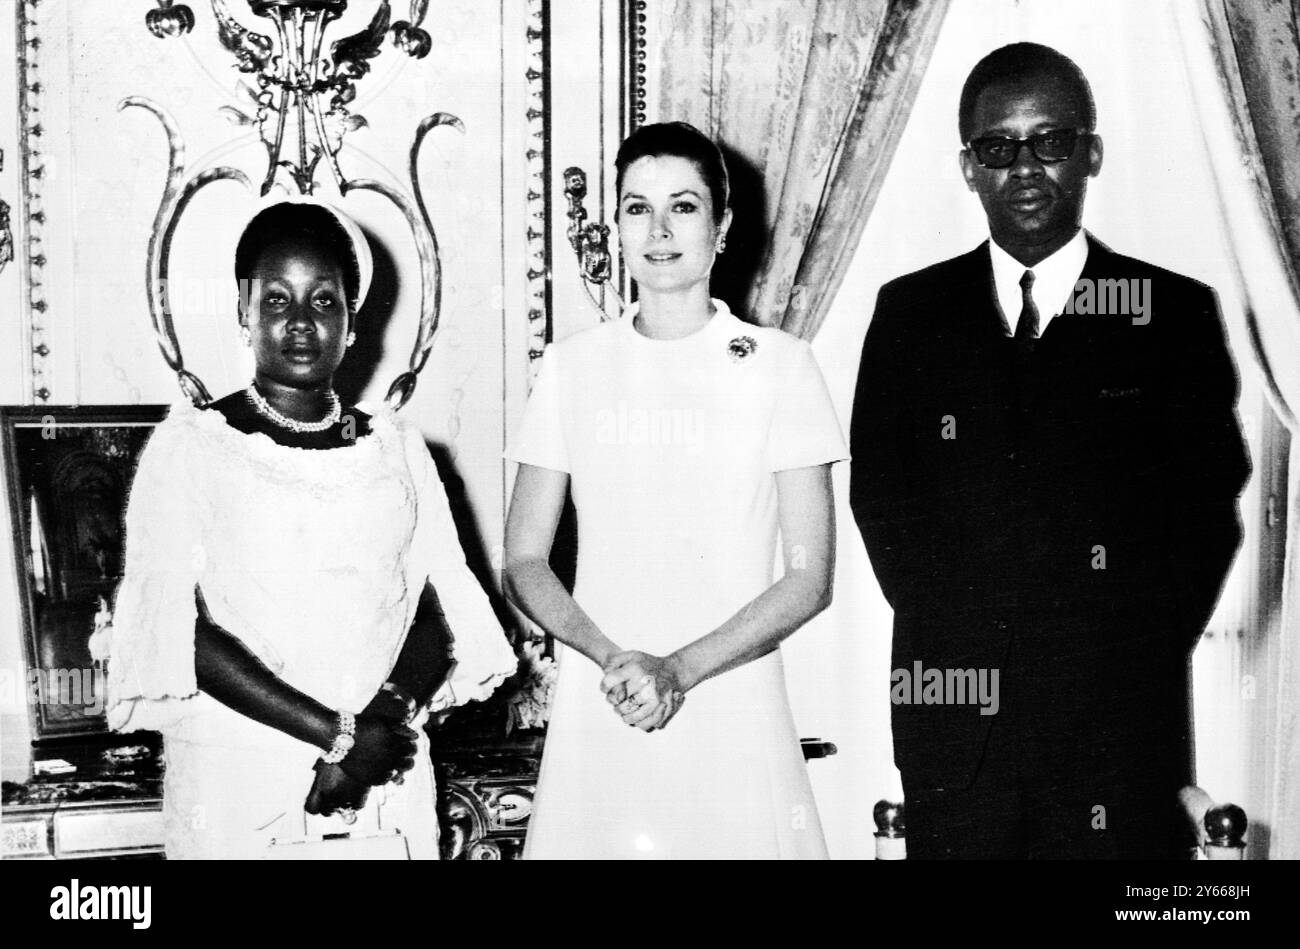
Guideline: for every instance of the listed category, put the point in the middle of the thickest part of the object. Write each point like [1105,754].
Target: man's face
[1033,207]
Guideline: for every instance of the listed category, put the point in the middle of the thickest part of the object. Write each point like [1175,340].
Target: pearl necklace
[292,424]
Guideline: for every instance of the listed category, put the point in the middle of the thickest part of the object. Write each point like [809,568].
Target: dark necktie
[1027,327]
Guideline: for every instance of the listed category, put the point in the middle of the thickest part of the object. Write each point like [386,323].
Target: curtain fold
[1263,42]
[1252,127]
[808,99]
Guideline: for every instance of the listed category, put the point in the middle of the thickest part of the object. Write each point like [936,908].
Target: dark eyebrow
[677,194]
[326,282]
[1041,129]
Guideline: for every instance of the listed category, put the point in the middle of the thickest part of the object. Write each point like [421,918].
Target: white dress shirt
[1054,280]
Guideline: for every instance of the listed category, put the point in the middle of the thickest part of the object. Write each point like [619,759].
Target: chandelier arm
[274,149]
[426,242]
[333,156]
[299,99]
[190,384]
[430,282]
[318,40]
[427,124]
[319,23]
[155,287]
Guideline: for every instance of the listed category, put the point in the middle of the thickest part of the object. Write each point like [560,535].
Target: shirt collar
[1054,280]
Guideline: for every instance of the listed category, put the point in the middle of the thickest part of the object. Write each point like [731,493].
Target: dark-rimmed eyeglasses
[1051,146]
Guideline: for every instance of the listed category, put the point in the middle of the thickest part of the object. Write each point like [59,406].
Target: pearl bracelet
[344,740]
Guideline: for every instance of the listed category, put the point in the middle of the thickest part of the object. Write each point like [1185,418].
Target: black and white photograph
[652,430]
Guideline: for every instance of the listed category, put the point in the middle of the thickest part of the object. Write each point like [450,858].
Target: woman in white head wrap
[280,546]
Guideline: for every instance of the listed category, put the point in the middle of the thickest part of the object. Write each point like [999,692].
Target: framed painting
[69,472]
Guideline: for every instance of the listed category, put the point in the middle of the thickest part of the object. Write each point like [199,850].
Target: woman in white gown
[279,548]
[689,440]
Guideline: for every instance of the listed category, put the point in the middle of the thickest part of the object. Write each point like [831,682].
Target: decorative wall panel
[88,179]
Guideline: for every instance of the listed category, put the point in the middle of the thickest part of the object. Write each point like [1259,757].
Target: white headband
[360,246]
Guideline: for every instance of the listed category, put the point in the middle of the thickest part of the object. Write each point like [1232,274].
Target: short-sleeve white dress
[315,561]
[672,448]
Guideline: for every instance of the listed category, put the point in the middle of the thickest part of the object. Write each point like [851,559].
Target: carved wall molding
[539,176]
[637,88]
[31,173]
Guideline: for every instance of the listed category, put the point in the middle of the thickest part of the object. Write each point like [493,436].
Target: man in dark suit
[1046,466]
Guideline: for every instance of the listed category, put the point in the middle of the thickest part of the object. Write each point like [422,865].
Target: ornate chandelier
[302,118]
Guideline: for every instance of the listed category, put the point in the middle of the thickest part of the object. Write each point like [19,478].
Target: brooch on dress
[741,348]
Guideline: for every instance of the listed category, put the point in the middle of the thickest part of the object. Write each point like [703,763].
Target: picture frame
[68,472]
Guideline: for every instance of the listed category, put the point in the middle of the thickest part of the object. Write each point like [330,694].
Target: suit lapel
[1098,265]
[976,287]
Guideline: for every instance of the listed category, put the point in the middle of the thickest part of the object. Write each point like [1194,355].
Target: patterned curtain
[808,99]
[1251,49]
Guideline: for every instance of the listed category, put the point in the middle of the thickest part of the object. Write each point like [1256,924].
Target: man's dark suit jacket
[1116,444]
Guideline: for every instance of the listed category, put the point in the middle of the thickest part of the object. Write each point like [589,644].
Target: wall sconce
[302,92]
[6,235]
[590,242]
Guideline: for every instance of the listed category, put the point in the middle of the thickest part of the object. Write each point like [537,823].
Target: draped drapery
[1252,105]
[808,99]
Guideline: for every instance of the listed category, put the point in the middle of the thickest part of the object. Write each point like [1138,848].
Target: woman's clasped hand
[384,749]
[646,691]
